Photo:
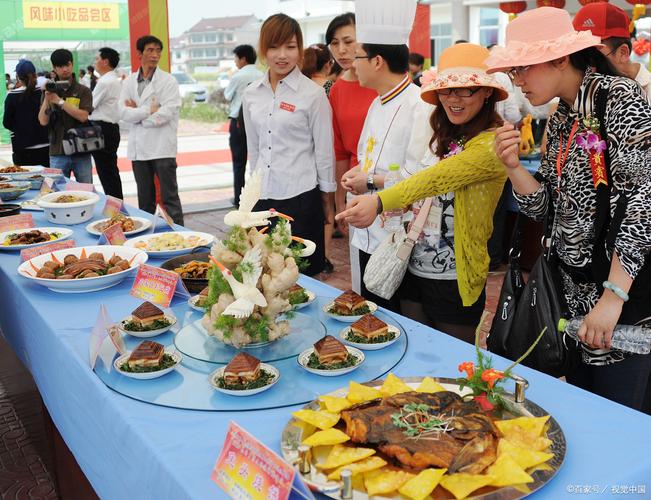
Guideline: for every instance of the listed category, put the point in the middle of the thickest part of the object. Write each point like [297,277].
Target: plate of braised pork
[18,239]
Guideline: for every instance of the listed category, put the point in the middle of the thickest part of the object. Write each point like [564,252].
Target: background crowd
[326,124]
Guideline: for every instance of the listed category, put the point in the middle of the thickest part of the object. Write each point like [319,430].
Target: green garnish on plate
[265,378]
[166,362]
[314,363]
[131,326]
[360,311]
[359,339]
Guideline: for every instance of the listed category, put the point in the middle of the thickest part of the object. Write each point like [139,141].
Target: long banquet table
[129,449]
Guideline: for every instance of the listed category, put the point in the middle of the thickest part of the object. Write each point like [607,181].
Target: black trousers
[32,157]
[393,304]
[106,160]
[165,170]
[237,143]
[624,382]
[307,211]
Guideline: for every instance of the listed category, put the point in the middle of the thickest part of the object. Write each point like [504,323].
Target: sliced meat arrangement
[420,430]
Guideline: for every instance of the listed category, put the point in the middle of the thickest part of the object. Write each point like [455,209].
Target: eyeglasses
[518,71]
[459,91]
[363,57]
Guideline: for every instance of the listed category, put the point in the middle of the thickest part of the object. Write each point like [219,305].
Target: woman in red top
[349,101]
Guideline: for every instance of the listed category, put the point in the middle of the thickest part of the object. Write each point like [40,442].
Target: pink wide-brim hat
[537,36]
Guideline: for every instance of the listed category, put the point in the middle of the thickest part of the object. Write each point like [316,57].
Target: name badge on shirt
[287,107]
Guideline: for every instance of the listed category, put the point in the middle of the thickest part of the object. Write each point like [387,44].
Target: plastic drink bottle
[628,338]
[392,218]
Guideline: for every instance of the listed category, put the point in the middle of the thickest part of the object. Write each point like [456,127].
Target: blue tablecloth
[129,449]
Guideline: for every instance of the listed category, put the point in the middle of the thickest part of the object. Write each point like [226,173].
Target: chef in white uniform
[382,63]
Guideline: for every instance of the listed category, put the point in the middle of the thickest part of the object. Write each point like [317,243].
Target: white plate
[348,319]
[263,366]
[311,297]
[144,225]
[192,302]
[343,335]
[31,205]
[63,231]
[170,253]
[304,357]
[147,375]
[30,170]
[148,333]
[134,256]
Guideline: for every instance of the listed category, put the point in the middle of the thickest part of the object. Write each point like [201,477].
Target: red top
[350,102]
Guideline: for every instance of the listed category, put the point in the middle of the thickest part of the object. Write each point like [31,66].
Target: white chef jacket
[106,98]
[289,136]
[152,136]
[387,131]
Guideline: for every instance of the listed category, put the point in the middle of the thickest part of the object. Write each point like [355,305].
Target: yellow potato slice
[383,481]
[327,437]
[533,425]
[507,472]
[358,393]
[393,385]
[321,419]
[524,457]
[430,385]
[344,455]
[419,487]
[461,485]
[366,465]
[335,405]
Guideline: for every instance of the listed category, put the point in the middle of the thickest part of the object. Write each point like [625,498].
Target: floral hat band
[461,65]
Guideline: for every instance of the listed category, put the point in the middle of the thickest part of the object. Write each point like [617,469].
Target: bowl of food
[83,269]
[370,333]
[69,207]
[193,269]
[35,180]
[18,239]
[130,225]
[147,361]
[349,307]
[14,171]
[146,321]
[7,209]
[330,358]
[12,190]
[244,375]
[171,243]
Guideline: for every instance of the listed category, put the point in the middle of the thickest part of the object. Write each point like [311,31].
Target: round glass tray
[193,340]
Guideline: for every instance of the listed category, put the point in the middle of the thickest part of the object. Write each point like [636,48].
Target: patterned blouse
[628,124]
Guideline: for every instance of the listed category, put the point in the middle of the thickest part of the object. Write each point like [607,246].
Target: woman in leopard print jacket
[566,69]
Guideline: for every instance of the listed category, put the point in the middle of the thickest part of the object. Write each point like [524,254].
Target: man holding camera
[66,105]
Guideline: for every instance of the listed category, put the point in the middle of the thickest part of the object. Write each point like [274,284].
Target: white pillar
[460,21]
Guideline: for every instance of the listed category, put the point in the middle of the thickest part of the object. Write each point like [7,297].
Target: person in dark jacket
[29,139]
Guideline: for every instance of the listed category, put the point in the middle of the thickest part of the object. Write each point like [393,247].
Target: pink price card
[166,217]
[79,186]
[47,186]
[246,468]
[20,221]
[98,334]
[30,253]
[53,171]
[155,285]
[112,207]
[114,234]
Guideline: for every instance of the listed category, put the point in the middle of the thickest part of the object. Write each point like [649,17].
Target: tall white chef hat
[384,22]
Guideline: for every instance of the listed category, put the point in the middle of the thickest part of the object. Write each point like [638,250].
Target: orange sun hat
[461,65]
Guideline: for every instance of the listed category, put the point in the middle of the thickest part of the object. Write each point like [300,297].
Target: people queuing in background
[84,78]
[150,102]
[416,64]
[457,165]
[381,63]
[289,136]
[106,114]
[604,266]
[245,58]
[66,108]
[350,102]
[611,24]
[29,139]
[92,76]
[317,64]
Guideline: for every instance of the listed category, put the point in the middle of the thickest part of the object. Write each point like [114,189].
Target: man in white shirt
[106,114]
[611,24]
[150,102]
[382,63]
[244,57]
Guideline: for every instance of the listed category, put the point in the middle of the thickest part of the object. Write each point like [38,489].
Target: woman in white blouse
[289,136]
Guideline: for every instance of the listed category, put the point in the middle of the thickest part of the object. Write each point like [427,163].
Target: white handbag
[388,264]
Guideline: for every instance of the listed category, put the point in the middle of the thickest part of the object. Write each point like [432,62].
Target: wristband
[370,184]
[616,290]
[61,103]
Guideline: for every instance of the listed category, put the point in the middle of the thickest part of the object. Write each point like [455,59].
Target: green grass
[203,112]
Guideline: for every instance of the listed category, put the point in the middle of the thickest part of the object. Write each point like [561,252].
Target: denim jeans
[80,165]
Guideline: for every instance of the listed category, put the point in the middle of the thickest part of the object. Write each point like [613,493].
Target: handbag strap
[419,222]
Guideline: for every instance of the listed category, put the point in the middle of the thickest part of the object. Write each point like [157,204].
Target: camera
[52,86]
